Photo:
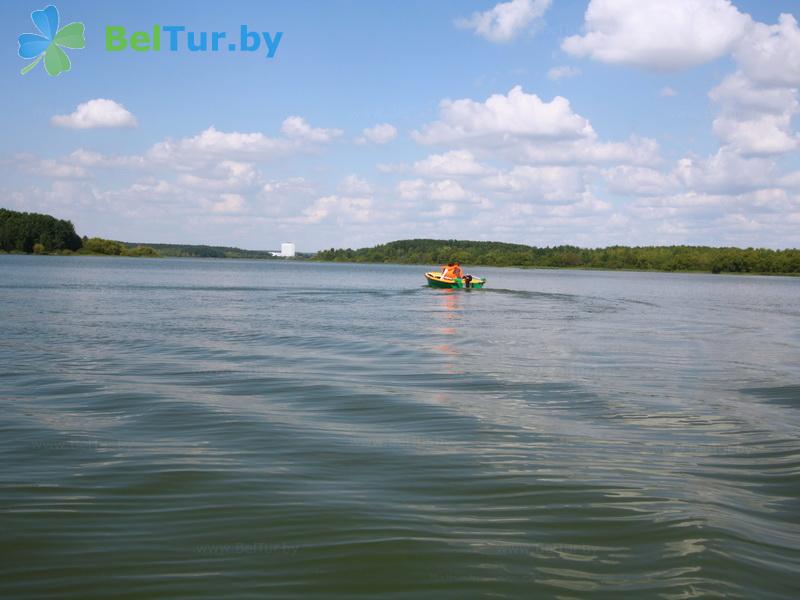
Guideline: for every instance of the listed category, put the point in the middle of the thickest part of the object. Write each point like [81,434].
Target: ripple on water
[206,429]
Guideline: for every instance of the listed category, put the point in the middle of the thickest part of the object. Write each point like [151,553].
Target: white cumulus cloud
[297,127]
[341,209]
[552,184]
[636,150]
[658,34]
[382,133]
[563,72]
[726,172]
[453,163]
[227,175]
[506,20]
[738,93]
[638,181]
[212,145]
[446,190]
[755,118]
[770,54]
[761,134]
[100,112]
[229,203]
[354,185]
[501,117]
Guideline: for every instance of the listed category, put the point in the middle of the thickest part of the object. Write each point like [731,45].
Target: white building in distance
[287,250]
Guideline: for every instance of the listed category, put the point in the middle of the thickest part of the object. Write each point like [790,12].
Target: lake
[179,428]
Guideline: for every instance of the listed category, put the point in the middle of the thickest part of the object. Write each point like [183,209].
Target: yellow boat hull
[436,280]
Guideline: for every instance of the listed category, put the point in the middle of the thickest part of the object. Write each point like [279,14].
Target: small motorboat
[435,279]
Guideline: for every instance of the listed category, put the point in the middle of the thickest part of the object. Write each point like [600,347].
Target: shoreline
[423,265]
[549,268]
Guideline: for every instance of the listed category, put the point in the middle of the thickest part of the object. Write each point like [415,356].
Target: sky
[543,122]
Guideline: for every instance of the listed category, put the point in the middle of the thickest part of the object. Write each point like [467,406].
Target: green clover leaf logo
[48,45]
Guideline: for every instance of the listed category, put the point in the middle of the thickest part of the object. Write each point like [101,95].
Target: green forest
[32,232]
[202,251]
[28,233]
[23,232]
[36,233]
[640,258]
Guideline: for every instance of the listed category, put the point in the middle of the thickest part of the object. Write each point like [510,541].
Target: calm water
[208,429]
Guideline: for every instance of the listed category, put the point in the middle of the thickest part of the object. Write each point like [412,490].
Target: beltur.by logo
[178,38]
[49,43]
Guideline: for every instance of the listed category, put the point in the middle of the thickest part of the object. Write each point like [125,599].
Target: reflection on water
[450,302]
[207,429]
[448,314]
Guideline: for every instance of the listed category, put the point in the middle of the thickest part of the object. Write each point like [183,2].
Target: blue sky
[533,121]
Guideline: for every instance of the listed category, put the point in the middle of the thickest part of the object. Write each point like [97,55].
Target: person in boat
[458,273]
[447,270]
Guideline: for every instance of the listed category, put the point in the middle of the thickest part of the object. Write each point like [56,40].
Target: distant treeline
[32,232]
[200,251]
[644,258]
[113,248]
[43,234]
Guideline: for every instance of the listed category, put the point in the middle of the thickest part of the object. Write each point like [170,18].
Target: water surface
[184,428]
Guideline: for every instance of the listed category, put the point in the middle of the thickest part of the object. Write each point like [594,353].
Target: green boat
[436,280]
